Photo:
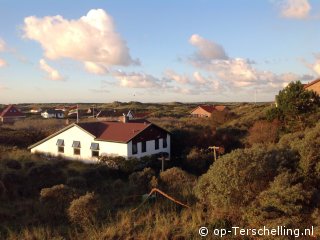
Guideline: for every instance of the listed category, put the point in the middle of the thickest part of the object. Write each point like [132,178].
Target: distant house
[51,113]
[11,114]
[35,110]
[88,140]
[140,115]
[207,110]
[313,86]
[61,108]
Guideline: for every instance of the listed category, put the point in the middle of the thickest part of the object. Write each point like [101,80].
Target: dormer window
[94,149]
[60,144]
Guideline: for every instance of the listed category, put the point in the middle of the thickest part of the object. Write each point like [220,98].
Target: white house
[52,114]
[88,140]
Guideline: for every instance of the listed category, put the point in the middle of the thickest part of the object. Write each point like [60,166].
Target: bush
[263,132]
[13,164]
[77,182]
[177,182]
[198,161]
[83,210]
[44,176]
[235,179]
[140,180]
[56,200]
[282,203]
[14,183]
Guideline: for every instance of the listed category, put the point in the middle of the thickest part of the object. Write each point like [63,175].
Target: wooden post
[214,151]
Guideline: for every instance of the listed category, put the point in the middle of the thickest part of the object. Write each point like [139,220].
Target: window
[60,144]
[94,153]
[156,144]
[144,146]
[134,148]
[76,147]
[164,143]
[94,149]
[61,149]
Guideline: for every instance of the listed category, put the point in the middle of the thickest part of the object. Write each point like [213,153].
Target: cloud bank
[52,73]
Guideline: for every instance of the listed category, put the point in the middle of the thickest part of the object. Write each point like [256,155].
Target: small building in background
[207,110]
[87,141]
[51,113]
[36,110]
[11,114]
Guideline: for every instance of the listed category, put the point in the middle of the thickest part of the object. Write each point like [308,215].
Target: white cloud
[298,9]
[136,80]
[171,75]
[207,50]
[241,73]
[3,63]
[316,67]
[95,68]
[92,39]
[52,73]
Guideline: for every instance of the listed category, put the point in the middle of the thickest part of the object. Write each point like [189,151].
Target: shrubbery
[83,210]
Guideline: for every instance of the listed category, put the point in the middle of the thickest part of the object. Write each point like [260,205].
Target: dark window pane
[95,153]
[164,143]
[157,144]
[144,146]
[61,149]
[134,148]
[76,151]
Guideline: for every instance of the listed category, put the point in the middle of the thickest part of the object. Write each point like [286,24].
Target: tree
[263,132]
[294,104]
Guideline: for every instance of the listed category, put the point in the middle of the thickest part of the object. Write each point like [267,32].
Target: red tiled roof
[212,108]
[11,111]
[311,83]
[115,131]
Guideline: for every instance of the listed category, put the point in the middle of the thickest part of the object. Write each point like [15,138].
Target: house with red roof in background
[313,86]
[87,141]
[11,114]
[207,110]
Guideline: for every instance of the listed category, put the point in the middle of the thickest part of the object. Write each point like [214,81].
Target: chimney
[124,118]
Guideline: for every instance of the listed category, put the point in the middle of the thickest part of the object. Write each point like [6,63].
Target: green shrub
[83,210]
[177,182]
[140,180]
[235,179]
[13,164]
[281,204]
[56,200]
[77,182]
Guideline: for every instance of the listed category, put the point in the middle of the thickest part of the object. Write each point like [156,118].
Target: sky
[156,51]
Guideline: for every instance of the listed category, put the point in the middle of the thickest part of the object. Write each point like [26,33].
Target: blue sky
[155,51]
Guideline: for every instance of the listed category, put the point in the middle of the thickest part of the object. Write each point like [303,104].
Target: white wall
[77,134]
[150,148]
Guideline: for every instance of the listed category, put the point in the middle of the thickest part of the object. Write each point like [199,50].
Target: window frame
[60,149]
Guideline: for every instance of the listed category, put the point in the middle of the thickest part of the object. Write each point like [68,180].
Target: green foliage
[198,161]
[263,132]
[58,198]
[140,180]
[294,104]
[83,210]
[235,179]
[281,204]
[177,182]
